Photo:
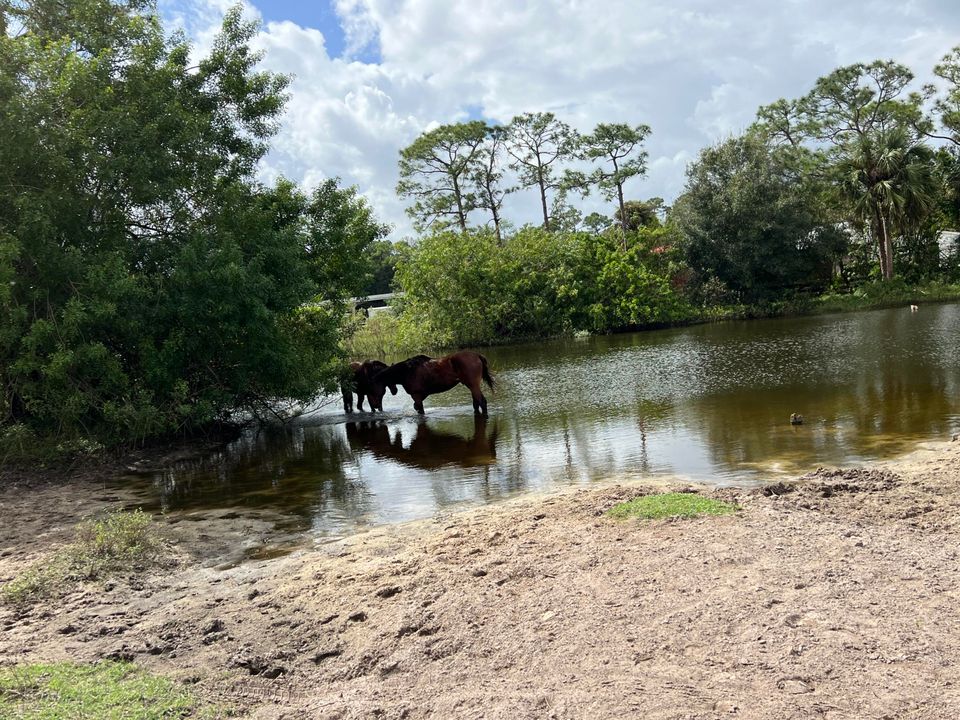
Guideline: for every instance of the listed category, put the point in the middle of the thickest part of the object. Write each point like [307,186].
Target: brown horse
[422,376]
[359,379]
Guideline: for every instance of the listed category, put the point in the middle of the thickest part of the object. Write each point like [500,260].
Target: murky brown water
[710,402]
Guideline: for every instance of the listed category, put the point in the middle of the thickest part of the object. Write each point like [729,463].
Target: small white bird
[914,308]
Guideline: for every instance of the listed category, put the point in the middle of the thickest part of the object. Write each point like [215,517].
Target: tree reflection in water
[709,402]
[300,472]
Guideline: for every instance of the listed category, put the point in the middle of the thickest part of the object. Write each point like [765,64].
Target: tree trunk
[491,200]
[543,202]
[623,217]
[461,216]
[888,250]
[879,232]
[542,183]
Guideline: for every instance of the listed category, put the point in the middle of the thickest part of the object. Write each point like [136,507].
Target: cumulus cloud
[694,70]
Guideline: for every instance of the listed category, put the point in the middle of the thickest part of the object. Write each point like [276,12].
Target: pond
[710,403]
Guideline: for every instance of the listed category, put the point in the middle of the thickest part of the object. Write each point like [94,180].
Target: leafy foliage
[381,258]
[150,284]
[436,172]
[750,225]
[636,214]
[629,286]
[469,289]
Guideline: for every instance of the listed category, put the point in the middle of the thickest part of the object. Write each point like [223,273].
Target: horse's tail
[487,377]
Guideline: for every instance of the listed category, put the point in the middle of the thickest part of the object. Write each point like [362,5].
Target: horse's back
[466,362]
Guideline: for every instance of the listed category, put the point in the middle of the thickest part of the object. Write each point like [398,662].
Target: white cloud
[694,70]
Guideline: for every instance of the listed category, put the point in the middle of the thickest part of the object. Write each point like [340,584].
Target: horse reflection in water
[430,448]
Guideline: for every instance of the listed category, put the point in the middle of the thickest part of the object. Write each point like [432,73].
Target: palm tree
[889,180]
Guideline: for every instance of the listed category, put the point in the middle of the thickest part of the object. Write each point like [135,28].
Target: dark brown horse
[359,380]
[422,376]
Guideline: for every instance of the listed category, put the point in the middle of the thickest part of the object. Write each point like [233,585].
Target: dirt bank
[836,596]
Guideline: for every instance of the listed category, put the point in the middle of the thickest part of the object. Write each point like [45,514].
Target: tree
[852,101]
[888,179]
[437,172]
[150,284]
[948,105]
[948,108]
[843,121]
[596,223]
[488,176]
[453,286]
[539,144]
[641,213]
[622,147]
[630,287]
[382,257]
[342,234]
[746,222]
[538,283]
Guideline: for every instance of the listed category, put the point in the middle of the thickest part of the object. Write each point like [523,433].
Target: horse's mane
[396,372]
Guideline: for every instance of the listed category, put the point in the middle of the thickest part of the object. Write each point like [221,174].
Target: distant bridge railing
[369,304]
[372,304]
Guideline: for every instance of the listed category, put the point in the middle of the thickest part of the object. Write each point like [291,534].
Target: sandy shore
[837,596]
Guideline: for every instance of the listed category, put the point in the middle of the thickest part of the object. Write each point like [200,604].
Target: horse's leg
[360,402]
[418,403]
[479,401]
[347,401]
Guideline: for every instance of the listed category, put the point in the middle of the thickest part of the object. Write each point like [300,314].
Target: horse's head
[388,377]
[371,370]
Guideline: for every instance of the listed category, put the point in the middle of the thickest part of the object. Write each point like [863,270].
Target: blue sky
[319,14]
[371,75]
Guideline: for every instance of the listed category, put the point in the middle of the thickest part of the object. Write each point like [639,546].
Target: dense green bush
[148,283]
[751,227]
[468,288]
[632,286]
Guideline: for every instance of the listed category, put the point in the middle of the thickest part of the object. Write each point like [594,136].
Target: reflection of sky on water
[710,402]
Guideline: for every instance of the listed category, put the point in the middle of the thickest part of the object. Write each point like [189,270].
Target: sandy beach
[836,595]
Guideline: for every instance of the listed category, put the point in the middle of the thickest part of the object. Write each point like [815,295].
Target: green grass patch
[104,691]
[669,505]
[118,542]
[892,293]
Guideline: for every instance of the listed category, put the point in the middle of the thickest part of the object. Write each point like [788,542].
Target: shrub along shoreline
[387,335]
[393,336]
